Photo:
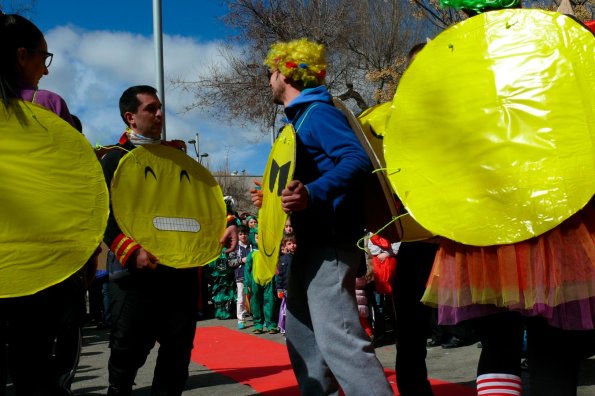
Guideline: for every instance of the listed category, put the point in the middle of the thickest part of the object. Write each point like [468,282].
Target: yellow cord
[362,239]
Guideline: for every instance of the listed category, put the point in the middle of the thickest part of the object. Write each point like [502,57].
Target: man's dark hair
[129,102]
[413,51]
[244,229]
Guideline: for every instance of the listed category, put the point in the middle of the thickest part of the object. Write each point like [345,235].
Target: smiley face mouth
[176,224]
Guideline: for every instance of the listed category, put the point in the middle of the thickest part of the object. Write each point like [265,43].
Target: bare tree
[386,30]
[240,89]
[21,7]
[366,43]
[361,37]
[440,17]
[236,185]
[584,10]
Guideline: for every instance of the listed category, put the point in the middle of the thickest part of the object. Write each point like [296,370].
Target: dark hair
[413,51]
[129,102]
[243,229]
[78,125]
[288,238]
[15,32]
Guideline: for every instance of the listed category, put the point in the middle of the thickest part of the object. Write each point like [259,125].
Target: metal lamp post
[158,44]
[196,144]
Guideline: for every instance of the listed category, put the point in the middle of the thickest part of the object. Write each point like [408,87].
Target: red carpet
[264,365]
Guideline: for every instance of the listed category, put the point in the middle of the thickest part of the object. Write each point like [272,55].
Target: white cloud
[92,68]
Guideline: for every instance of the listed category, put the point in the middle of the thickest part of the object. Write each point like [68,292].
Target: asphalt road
[454,365]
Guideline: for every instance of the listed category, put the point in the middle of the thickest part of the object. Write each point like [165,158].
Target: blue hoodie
[332,164]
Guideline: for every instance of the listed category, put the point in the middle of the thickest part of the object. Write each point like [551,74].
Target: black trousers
[29,328]
[148,307]
[414,263]
[501,338]
[554,355]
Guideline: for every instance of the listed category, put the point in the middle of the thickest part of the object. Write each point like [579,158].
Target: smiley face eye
[149,170]
[184,174]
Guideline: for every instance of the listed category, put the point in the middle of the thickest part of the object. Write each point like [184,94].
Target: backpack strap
[302,117]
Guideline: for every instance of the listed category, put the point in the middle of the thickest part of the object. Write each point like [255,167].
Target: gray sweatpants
[326,342]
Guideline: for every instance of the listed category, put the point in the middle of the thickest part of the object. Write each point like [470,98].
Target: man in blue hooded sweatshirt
[327,346]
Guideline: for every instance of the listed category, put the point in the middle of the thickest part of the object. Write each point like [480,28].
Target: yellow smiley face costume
[278,172]
[491,139]
[380,202]
[170,205]
[53,199]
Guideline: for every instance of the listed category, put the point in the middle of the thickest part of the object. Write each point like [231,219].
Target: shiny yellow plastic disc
[277,174]
[171,205]
[373,123]
[493,126]
[53,199]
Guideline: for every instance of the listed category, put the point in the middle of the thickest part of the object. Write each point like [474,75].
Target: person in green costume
[263,303]
[222,288]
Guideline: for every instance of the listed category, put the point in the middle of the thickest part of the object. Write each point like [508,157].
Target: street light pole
[196,144]
[158,43]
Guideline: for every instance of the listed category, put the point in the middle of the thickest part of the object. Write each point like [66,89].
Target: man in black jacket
[150,302]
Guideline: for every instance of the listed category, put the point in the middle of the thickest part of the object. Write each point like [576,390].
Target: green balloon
[480,5]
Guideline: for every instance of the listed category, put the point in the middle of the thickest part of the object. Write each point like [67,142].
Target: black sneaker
[454,342]
[525,364]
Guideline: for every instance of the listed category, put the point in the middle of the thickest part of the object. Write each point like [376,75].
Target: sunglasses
[47,56]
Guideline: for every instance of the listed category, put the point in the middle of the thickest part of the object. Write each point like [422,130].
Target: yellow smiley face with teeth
[171,205]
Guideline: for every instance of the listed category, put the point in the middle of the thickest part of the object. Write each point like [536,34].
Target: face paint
[170,205]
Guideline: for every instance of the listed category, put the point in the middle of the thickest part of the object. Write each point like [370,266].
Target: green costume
[222,288]
[263,303]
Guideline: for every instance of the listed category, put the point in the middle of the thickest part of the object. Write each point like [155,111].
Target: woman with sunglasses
[39,331]
[25,60]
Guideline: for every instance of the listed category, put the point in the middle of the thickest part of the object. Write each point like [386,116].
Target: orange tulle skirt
[552,275]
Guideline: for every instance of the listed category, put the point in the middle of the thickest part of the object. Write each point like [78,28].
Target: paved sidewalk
[453,365]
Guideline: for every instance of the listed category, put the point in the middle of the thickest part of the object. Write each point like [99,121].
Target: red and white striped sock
[499,385]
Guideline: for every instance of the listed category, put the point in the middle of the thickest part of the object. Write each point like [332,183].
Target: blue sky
[102,47]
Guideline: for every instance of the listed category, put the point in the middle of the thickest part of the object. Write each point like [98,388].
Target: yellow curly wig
[300,60]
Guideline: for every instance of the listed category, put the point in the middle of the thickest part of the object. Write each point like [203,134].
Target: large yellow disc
[53,199]
[493,127]
[371,129]
[271,217]
[171,205]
